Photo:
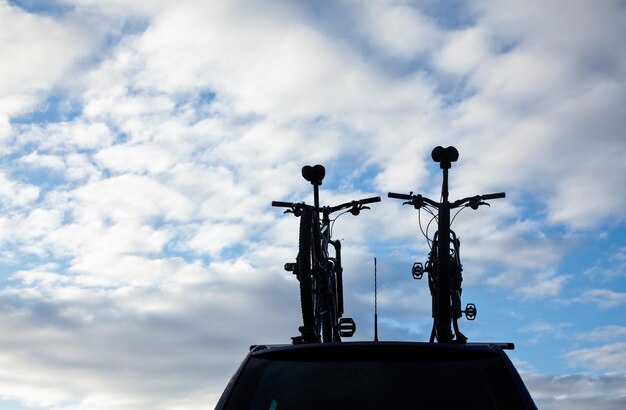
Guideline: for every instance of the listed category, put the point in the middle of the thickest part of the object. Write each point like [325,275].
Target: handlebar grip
[399,196]
[283,204]
[369,200]
[494,196]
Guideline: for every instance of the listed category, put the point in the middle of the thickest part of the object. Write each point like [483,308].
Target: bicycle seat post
[443,314]
[445,157]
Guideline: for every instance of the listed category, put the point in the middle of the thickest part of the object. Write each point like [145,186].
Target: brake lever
[416,205]
[296,211]
[417,201]
[475,205]
[357,209]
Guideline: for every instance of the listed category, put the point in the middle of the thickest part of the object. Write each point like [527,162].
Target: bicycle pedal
[418,270]
[290,267]
[347,327]
[470,311]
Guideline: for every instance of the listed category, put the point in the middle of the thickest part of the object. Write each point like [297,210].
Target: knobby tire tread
[304,267]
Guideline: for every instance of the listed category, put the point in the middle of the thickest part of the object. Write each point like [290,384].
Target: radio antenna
[375,303]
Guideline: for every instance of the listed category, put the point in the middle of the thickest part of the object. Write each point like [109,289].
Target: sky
[141,144]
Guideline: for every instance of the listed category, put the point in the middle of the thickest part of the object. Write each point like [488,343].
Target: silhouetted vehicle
[450,374]
[319,273]
[376,375]
[444,261]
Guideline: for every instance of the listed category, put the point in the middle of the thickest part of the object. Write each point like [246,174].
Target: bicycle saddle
[314,174]
[445,156]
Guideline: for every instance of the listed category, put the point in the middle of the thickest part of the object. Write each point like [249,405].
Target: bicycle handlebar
[370,200]
[494,196]
[400,196]
[419,200]
[415,200]
[283,204]
[476,199]
[356,203]
[330,209]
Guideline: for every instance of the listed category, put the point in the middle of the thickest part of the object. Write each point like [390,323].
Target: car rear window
[382,380]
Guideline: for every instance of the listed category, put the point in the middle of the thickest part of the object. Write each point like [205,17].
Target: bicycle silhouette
[444,266]
[320,274]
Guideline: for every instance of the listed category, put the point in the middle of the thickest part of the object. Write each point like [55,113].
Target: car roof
[372,351]
[383,345]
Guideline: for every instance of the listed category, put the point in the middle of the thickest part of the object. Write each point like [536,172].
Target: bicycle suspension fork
[339,274]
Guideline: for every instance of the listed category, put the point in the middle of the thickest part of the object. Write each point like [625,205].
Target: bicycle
[320,274]
[444,272]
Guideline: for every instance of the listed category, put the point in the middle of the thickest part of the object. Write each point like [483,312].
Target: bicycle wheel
[308,296]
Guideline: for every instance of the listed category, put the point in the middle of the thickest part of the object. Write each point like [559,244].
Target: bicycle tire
[305,274]
[327,331]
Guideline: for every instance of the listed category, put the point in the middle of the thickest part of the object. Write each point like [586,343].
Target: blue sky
[141,144]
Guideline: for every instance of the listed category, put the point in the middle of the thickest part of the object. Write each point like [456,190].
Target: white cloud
[575,30]
[544,329]
[603,334]
[398,29]
[80,167]
[14,193]
[96,237]
[36,160]
[610,357]
[67,135]
[259,66]
[577,391]
[530,103]
[120,8]
[545,286]
[137,158]
[28,231]
[128,197]
[464,51]
[609,268]
[42,277]
[5,128]
[603,298]
[161,327]
[213,238]
[28,43]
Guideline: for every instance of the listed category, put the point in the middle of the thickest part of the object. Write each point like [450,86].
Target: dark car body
[376,375]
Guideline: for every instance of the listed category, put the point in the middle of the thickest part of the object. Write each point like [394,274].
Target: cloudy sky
[142,142]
